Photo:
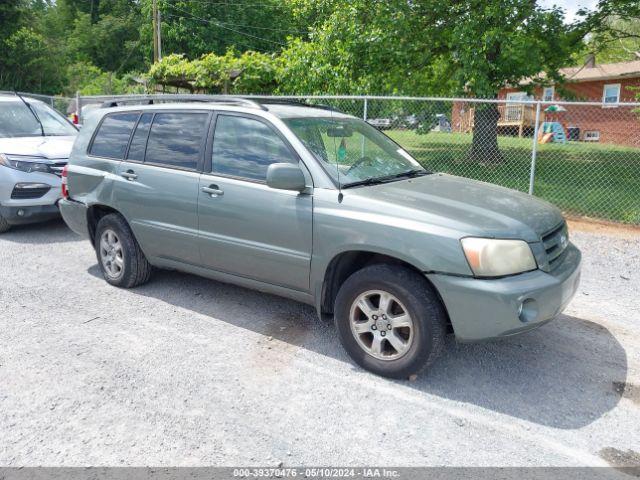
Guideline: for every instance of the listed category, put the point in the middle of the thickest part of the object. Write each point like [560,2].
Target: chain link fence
[582,156]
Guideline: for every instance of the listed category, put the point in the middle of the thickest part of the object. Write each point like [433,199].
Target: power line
[216,23]
[235,4]
[255,26]
[224,39]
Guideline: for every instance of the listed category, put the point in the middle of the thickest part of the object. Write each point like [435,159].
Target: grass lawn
[597,180]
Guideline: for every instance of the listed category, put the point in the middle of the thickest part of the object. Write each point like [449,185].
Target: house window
[592,136]
[547,94]
[611,93]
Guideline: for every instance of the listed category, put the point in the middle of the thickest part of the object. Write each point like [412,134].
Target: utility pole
[159,24]
[157,41]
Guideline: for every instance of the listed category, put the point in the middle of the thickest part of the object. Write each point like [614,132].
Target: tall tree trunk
[484,145]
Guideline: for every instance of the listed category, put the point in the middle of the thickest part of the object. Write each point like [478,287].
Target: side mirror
[286,176]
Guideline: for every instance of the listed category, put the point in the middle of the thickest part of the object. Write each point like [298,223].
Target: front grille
[29,193]
[555,243]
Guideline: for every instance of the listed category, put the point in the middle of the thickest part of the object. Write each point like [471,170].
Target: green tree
[196,28]
[467,47]
[359,46]
[25,61]
[497,43]
[87,79]
[615,30]
[231,73]
[112,43]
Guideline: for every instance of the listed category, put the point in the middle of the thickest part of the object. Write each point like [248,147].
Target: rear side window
[176,139]
[113,135]
[245,147]
[139,140]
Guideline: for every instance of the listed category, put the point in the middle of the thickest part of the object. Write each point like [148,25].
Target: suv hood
[51,147]
[469,206]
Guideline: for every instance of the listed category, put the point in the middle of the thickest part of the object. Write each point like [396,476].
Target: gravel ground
[187,371]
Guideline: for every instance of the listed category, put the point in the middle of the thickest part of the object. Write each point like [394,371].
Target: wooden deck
[522,117]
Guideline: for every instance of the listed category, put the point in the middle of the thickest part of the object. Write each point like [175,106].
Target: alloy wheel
[381,325]
[111,254]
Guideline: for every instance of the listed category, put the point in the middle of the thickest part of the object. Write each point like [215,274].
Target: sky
[570,6]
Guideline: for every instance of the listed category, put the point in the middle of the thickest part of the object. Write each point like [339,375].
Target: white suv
[35,142]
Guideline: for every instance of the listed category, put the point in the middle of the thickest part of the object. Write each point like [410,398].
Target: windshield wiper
[409,174]
[368,181]
[33,112]
[388,178]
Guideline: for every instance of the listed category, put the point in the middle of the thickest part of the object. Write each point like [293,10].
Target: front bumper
[10,177]
[482,309]
[29,214]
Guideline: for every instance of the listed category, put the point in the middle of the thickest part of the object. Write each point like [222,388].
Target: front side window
[176,139]
[112,137]
[245,147]
[352,151]
[611,93]
[16,120]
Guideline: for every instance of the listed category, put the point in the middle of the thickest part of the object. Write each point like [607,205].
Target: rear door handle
[129,175]
[213,191]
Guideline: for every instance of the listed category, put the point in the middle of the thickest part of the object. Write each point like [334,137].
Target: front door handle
[213,191]
[129,175]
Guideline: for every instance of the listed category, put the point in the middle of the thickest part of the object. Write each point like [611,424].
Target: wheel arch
[94,213]
[345,263]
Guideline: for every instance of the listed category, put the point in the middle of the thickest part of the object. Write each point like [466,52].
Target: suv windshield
[17,121]
[354,152]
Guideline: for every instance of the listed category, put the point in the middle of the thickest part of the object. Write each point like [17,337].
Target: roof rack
[293,101]
[160,98]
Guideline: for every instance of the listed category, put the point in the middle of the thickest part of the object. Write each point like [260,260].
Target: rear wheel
[120,258]
[390,320]
[4,225]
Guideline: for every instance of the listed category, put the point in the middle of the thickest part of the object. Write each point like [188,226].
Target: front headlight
[24,164]
[490,257]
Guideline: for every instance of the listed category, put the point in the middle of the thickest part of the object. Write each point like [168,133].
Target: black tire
[421,302]
[136,270]
[4,225]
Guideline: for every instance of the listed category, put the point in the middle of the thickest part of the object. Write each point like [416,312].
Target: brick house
[607,84]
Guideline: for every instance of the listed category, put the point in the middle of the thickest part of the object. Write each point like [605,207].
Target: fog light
[21,213]
[528,310]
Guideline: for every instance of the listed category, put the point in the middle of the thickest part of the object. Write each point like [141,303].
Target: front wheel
[390,320]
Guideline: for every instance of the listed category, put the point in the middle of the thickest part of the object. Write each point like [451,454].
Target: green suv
[320,207]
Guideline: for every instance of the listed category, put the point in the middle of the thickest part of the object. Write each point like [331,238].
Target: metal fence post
[365,111]
[79,107]
[534,149]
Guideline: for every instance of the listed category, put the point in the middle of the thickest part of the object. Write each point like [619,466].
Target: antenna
[337,163]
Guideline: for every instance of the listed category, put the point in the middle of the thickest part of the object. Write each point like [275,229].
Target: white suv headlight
[490,257]
[25,164]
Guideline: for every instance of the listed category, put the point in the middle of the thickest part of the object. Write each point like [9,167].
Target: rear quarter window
[113,135]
